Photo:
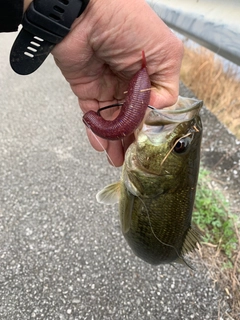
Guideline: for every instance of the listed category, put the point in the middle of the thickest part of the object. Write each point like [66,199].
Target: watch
[45,23]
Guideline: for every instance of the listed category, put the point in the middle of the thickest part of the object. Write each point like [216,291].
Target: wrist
[45,23]
[26,4]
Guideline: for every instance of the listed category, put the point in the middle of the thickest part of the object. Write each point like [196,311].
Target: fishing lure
[132,111]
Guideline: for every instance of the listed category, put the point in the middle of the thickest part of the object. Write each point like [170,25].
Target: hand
[26,4]
[104,50]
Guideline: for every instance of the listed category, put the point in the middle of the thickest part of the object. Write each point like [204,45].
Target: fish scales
[156,235]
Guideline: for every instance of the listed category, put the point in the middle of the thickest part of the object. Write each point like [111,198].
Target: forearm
[11,14]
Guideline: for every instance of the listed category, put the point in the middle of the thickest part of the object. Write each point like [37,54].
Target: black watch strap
[45,23]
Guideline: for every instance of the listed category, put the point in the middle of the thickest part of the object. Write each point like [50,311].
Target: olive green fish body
[157,230]
[157,188]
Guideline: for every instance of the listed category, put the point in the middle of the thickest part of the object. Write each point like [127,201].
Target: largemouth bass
[158,184]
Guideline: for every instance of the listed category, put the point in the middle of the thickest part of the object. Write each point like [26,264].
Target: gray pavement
[62,255]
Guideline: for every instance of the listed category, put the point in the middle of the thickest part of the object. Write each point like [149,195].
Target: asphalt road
[62,255]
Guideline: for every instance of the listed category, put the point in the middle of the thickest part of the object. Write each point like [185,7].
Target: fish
[156,191]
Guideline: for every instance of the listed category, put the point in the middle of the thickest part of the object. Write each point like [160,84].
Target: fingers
[97,143]
[115,153]
[98,67]
[165,76]
[113,149]
[165,96]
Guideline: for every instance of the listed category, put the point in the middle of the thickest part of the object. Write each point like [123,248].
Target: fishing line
[165,244]
[175,111]
[175,143]
[150,224]
[104,150]
[108,107]
[120,105]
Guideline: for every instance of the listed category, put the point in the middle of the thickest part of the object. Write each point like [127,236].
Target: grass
[219,87]
[212,214]
[221,238]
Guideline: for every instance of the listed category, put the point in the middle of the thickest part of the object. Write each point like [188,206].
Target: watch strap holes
[37,38]
[32,49]
[58,9]
[54,17]
[35,44]
[30,55]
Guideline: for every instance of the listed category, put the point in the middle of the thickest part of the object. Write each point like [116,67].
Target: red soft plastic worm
[132,111]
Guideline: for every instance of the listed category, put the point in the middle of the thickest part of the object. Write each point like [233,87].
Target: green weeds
[212,215]
[220,228]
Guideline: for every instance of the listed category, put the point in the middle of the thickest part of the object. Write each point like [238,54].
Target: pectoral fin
[110,194]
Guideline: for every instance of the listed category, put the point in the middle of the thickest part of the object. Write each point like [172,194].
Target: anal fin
[192,238]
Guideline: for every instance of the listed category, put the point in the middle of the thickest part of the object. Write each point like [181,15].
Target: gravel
[220,153]
[62,255]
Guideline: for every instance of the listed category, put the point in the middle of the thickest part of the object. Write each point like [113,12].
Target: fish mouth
[184,109]
[157,130]
[159,123]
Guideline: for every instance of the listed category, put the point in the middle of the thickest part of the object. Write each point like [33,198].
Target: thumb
[164,96]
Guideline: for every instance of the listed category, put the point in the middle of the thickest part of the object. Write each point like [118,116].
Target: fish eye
[181,145]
